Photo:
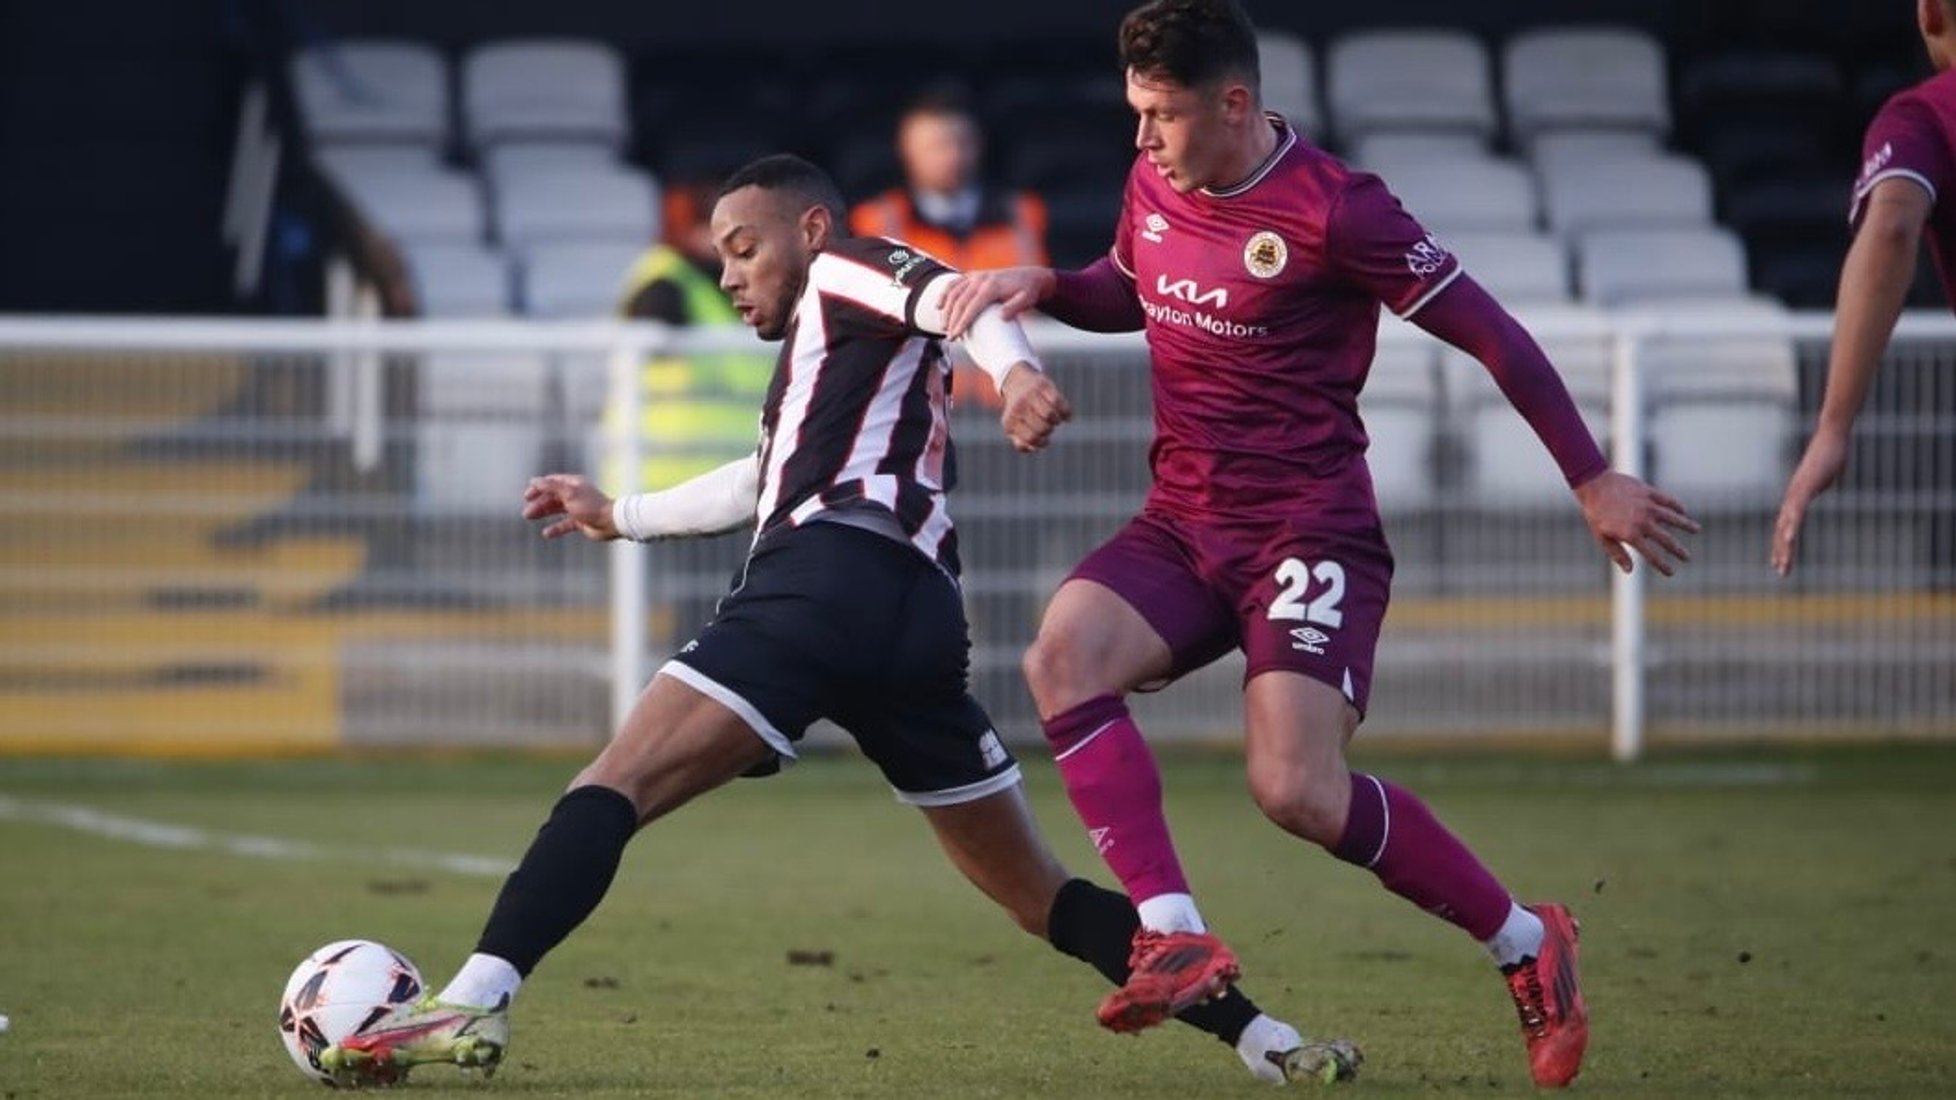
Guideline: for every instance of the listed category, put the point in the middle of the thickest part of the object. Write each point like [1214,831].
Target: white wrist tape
[716,501]
[995,343]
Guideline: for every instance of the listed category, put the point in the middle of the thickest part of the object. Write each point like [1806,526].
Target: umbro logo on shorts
[1309,639]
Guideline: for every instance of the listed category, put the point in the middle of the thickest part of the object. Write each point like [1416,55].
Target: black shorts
[835,622]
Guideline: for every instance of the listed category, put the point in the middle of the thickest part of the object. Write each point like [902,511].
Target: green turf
[1765,924]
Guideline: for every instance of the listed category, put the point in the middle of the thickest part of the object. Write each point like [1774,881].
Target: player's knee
[1300,802]
[1055,672]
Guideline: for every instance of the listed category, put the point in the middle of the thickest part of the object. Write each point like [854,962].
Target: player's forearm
[716,501]
[993,342]
[1466,317]
[1097,298]
[1874,285]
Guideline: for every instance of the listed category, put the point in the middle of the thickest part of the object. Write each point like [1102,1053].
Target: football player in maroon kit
[1910,163]
[1256,265]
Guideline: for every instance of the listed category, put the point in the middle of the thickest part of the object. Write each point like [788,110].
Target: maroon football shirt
[1262,305]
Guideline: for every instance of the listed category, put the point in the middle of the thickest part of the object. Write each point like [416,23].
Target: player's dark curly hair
[786,172]
[1191,42]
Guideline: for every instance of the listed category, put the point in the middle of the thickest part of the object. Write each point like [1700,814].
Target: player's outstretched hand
[580,504]
[1013,289]
[1034,406]
[1819,468]
[1624,514]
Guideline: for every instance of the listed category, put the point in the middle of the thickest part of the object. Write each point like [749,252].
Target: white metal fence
[245,534]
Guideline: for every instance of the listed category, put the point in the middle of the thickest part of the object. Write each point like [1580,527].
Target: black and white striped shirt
[857,415]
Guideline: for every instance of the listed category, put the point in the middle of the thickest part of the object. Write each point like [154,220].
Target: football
[336,991]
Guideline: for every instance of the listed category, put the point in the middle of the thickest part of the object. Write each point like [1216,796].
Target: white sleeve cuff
[995,344]
[716,501]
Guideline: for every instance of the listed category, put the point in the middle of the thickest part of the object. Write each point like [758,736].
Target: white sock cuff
[1520,937]
[1171,913]
[483,982]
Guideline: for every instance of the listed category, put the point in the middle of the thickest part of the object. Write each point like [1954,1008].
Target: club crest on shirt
[1155,225]
[1265,255]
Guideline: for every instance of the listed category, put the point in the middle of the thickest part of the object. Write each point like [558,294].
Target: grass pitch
[1759,924]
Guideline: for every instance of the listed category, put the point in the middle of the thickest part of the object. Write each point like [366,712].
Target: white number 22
[1294,581]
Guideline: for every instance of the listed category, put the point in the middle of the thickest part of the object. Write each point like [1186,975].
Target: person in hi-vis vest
[945,209]
[697,412]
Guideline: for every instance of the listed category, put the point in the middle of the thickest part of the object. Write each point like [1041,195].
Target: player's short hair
[1191,42]
[801,180]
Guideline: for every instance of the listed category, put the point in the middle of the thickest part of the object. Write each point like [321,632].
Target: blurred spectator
[698,412]
[945,208]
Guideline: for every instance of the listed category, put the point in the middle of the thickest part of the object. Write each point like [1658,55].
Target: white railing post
[627,558]
[1627,589]
[367,410]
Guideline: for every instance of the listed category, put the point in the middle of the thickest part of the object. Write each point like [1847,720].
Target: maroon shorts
[1289,596]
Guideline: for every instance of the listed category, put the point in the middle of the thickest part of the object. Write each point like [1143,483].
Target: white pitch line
[162,834]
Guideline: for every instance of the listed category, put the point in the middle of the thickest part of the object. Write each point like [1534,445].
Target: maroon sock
[1393,834]
[1111,777]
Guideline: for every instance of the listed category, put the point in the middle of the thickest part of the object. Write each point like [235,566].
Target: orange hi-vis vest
[1011,230]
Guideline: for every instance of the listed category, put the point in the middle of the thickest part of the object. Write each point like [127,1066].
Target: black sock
[562,878]
[1097,927]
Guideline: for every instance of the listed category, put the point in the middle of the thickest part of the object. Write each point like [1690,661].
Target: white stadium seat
[1517,268]
[1723,411]
[458,279]
[1388,153]
[408,203]
[1468,196]
[530,158]
[1585,78]
[1562,149]
[1506,465]
[1400,407]
[544,89]
[616,205]
[1628,267]
[1290,81]
[1652,192]
[1410,80]
[372,90]
[576,278]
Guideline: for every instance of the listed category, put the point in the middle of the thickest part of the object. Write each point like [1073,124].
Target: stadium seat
[576,278]
[1290,81]
[1389,153]
[1628,267]
[366,90]
[1723,410]
[542,89]
[1759,85]
[1809,207]
[343,162]
[516,158]
[1561,149]
[1588,78]
[478,436]
[617,205]
[1807,276]
[1661,190]
[410,203]
[457,279]
[1518,269]
[1428,80]
[1505,465]
[1400,407]
[1469,196]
